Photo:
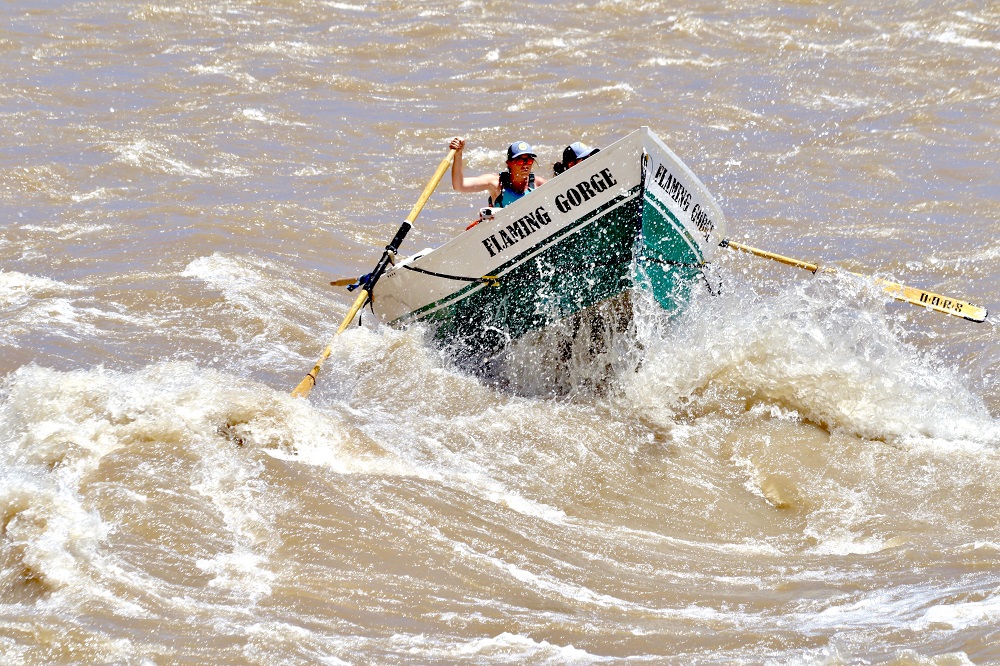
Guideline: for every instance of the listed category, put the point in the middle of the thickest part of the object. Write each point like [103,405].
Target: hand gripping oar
[925,299]
[307,383]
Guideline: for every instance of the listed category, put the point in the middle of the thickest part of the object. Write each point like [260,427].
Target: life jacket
[508,196]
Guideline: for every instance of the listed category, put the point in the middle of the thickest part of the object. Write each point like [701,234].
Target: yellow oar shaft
[431,186]
[309,381]
[788,261]
[926,299]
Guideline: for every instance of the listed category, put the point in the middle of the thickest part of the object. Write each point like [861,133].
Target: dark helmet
[577,151]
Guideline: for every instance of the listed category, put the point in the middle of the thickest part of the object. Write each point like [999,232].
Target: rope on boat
[714,289]
[494,280]
[489,280]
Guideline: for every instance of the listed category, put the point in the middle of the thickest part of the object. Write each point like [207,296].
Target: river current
[798,470]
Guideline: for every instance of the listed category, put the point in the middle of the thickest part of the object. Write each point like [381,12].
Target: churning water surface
[797,470]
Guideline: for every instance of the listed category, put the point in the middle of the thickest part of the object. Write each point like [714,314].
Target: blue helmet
[519,148]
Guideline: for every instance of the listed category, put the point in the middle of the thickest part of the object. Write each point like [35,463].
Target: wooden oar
[925,299]
[309,381]
[343,282]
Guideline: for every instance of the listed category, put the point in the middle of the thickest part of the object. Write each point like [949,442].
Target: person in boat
[573,154]
[506,187]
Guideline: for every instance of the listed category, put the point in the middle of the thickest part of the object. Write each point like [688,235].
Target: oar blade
[309,381]
[932,301]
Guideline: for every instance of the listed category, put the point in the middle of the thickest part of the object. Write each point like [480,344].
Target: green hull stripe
[422,312]
[677,226]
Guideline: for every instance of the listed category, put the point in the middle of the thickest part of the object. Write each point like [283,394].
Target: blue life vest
[508,196]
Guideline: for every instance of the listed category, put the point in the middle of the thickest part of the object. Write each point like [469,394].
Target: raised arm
[460,183]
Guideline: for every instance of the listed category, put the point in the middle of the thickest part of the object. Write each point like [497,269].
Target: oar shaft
[309,381]
[925,299]
[788,261]
[431,186]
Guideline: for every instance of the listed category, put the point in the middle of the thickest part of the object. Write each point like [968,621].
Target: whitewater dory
[632,215]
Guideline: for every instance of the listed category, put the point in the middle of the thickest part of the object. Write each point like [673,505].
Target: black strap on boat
[489,280]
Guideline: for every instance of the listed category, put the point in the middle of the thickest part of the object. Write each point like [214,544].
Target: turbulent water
[796,471]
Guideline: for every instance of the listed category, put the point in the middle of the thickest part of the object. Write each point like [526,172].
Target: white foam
[227,70]
[265,636]
[149,154]
[99,193]
[51,437]
[965,615]
[515,646]
[702,60]
[878,609]
[242,572]
[55,536]
[261,116]
[18,288]
[57,427]
[225,274]
[347,7]
[952,36]
[823,348]
[260,299]
[910,607]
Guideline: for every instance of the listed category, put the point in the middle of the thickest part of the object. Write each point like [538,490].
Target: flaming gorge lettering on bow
[516,231]
[679,193]
[523,227]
